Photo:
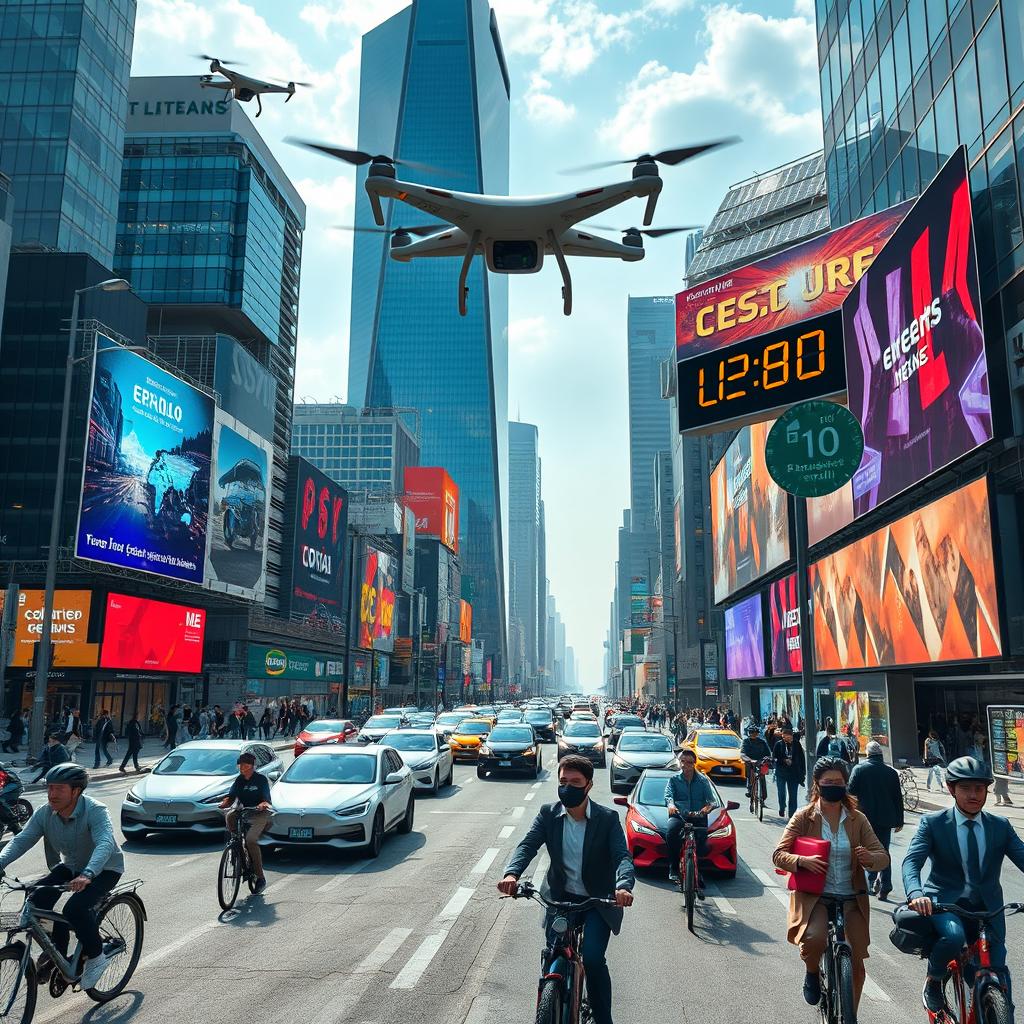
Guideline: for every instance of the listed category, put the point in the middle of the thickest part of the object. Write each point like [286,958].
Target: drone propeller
[420,230]
[226,63]
[669,157]
[649,232]
[357,157]
[281,81]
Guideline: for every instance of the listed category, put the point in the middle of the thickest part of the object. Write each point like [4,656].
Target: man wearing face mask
[589,860]
[687,793]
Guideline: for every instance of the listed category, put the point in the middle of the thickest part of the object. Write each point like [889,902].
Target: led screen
[377,601]
[152,635]
[784,622]
[744,639]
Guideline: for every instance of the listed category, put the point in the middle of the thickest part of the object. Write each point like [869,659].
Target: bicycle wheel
[911,796]
[844,1008]
[229,877]
[761,796]
[24,1004]
[995,1007]
[122,927]
[690,890]
[550,1003]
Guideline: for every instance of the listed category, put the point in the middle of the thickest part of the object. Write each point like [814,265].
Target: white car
[346,797]
[428,756]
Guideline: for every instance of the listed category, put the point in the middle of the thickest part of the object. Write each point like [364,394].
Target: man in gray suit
[966,849]
[589,860]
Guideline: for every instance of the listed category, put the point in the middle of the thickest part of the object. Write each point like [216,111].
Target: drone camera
[382,169]
[645,169]
[400,239]
[632,236]
[513,256]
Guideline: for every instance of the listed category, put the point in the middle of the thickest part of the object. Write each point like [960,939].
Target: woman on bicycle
[831,815]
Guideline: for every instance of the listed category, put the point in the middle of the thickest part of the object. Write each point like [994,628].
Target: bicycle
[758,794]
[908,787]
[561,990]
[122,917]
[689,875]
[235,862]
[837,1004]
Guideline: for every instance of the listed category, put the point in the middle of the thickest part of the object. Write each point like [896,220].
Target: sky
[591,80]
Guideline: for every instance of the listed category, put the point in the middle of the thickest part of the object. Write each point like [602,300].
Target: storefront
[277,674]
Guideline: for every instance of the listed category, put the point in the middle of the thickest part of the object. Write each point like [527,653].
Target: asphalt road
[420,936]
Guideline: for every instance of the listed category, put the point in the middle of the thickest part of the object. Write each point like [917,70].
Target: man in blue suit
[965,848]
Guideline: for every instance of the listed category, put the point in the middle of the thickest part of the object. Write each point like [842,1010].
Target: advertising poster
[784,620]
[465,622]
[744,639]
[749,514]
[377,601]
[1006,740]
[287,663]
[69,628]
[153,636]
[804,281]
[146,481]
[236,558]
[434,499]
[408,550]
[865,713]
[677,532]
[247,390]
[921,590]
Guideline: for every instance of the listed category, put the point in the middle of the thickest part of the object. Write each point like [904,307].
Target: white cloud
[544,108]
[528,336]
[351,15]
[174,21]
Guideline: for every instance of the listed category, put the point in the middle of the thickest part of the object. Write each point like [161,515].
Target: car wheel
[373,847]
[480,773]
[405,825]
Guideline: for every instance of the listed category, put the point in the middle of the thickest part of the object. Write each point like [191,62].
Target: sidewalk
[939,800]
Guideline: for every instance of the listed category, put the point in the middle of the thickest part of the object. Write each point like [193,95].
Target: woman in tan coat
[831,814]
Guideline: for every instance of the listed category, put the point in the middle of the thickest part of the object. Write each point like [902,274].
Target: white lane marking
[872,991]
[719,900]
[765,879]
[518,812]
[457,903]
[466,782]
[782,897]
[184,861]
[468,812]
[345,873]
[537,785]
[172,947]
[506,831]
[411,973]
[542,865]
[529,796]
[481,1012]
[385,950]
[481,866]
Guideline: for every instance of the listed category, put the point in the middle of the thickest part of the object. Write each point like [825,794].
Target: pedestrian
[248,723]
[282,719]
[73,732]
[266,723]
[172,727]
[218,721]
[830,745]
[204,723]
[53,753]
[877,789]
[790,769]
[1001,791]
[934,760]
[235,724]
[16,729]
[133,733]
[103,734]
[852,744]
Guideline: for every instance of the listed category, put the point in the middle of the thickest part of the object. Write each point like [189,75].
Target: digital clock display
[753,379]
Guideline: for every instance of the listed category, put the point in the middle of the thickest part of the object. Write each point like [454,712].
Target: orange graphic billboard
[433,498]
[69,628]
[465,622]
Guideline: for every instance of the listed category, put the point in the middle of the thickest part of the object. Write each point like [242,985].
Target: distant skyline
[590,81]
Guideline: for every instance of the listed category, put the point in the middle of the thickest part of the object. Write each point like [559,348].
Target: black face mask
[572,796]
[833,794]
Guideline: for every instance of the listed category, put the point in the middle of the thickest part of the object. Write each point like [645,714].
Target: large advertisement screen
[918,591]
[69,628]
[146,482]
[247,390]
[236,559]
[784,622]
[1006,740]
[749,514]
[152,636]
[377,601]
[434,499]
[744,639]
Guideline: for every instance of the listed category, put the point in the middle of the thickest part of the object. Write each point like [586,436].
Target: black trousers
[674,838]
[80,909]
[133,753]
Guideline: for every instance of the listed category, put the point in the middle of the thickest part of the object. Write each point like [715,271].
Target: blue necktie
[973,861]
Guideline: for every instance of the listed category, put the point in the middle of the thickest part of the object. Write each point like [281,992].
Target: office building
[434,88]
[542,596]
[693,240]
[525,581]
[64,69]
[6,234]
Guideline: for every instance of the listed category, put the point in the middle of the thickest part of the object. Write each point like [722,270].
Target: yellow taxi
[468,737]
[718,753]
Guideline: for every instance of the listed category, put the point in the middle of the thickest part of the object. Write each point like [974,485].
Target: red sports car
[325,730]
[647,824]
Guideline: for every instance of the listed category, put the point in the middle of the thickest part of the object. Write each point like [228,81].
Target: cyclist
[965,848]
[605,872]
[687,792]
[78,828]
[250,789]
[752,752]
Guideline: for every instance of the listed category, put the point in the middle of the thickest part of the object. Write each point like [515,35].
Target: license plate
[726,770]
[300,833]
[504,764]
[167,819]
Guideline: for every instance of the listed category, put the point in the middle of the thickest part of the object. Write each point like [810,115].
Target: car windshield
[199,761]
[474,728]
[511,735]
[325,726]
[509,716]
[649,744]
[383,722]
[450,719]
[582,729]
[538,717]
[485,711]
[410,741]
[623,720]
[335,769]
[652,792]
[718,739]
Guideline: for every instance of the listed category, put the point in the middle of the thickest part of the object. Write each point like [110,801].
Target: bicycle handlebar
[974,915]
[17,885]
[526,891]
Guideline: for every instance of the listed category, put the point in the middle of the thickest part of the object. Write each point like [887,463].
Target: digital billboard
[408,550]
[434,499]
[1006,740]
[319,539]
[377,601]
[236,557]
[921,590]
[744,639]
[69,628]
[749,514]
[784,623]
[153,636]
[465,622]
[246,388]
[146,481]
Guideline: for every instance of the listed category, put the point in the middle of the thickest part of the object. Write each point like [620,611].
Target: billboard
[153,636]
[146,479]
[677,537]
[801,282]
[921,590]
[408,550]
[465,622]
[287,663]
[318,547]
[749,514]
[377,601]
[247,389]
[236,556]
[744,639]
[784,622]
[69,628]
[434,499]
[1006,740]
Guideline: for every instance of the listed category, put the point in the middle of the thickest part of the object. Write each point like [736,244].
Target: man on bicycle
[966,849]
[78,828]
[752,752]
[688,792]
[569,828]
[251,789]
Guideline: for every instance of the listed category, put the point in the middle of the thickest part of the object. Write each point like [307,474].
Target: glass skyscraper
[526,585]
[434,89]
[64,70]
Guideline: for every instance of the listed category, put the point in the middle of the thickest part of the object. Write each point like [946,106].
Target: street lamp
[113,284]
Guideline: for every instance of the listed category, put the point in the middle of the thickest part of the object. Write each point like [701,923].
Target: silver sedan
[428,756]
[637,751]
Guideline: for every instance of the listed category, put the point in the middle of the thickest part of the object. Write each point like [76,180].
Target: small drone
[242,87]
[514,233]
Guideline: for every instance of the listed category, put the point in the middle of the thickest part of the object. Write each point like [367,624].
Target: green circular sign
[814,448]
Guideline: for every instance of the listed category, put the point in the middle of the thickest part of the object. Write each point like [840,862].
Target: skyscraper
[64,70]
[525,581]
[434,88]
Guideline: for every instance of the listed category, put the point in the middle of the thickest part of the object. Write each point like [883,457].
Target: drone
[242,87]
[514,233]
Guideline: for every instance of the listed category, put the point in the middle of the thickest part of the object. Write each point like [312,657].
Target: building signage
[69,628]
[287,663]
[465,622]
[247,389]
[784,618]
[434,499]
[744,639]
[1006,740]
[377,601]
[152,635]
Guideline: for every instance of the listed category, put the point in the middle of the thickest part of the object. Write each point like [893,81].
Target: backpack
[836,748]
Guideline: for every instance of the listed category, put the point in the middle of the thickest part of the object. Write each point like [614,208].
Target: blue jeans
[596,933]
[786,786]
[884,837]
[105,747]
[950,930]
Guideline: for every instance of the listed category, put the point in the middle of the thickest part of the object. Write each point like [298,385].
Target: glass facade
[525,582]
[434,89]
[64,69]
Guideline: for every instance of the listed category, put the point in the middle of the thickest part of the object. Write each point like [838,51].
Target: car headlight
[352,811]
[643,829]
[528,752]
[721,833]
[215,799]
[131,797]
[485,751]
[599,745]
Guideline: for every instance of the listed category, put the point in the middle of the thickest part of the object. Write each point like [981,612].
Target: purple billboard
[744,639]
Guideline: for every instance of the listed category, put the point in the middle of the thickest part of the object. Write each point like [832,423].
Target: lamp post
[114,284]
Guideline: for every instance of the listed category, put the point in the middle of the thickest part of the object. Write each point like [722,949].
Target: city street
[420,934]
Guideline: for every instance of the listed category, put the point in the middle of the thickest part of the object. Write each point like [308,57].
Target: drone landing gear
[259,105]
[564,268]
[466,262]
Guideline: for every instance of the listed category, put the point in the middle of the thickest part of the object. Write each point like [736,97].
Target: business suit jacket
[877,789]
[607,865]
[936,840]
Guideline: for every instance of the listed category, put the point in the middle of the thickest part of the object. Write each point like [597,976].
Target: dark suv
[543,722]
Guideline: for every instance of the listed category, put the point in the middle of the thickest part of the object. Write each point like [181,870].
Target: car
[507,715]
[647,826]
[718,753]
[345,797]
[446,723]
[182,792]
[468,736]
[637,751]
[324,730]
[510,748]
[378,726]
[421,719]
[428,756]
[583,716]
[543,722]
[583,738]
[619,722]
[487,712]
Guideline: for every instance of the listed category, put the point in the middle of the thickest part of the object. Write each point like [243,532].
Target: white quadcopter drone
[514,233]
[242,87]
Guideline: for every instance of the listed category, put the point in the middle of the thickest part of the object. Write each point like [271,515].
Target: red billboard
[377,601]
[801,282]
[784,620]
[154,636]
[433,497]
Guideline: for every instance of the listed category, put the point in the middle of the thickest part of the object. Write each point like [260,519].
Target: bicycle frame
[561,960]
[836,944]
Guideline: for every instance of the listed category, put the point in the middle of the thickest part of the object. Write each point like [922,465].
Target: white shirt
[839,878]
[573,834]
[961,836]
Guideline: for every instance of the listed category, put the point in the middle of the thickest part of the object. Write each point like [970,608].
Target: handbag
[806,881]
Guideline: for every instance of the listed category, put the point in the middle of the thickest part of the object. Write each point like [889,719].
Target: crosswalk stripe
[411,973]
[772,882]
[384,951]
